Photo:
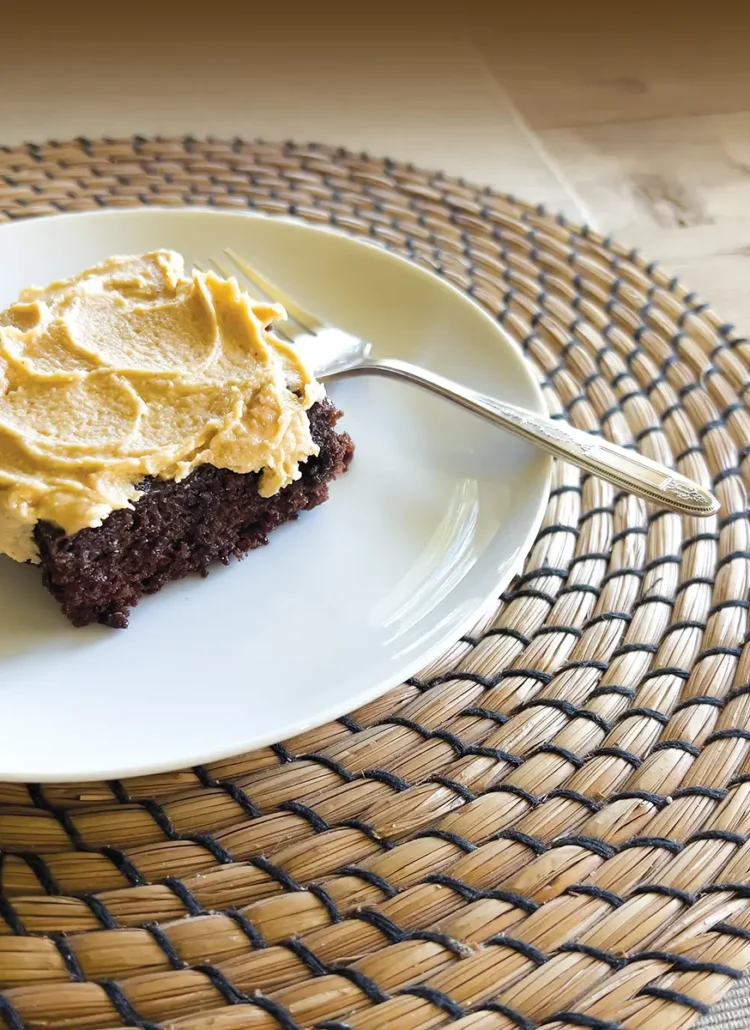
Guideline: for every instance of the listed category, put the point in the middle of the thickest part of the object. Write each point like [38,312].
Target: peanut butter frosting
[135,368]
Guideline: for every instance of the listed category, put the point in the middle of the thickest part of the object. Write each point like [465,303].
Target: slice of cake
[151,423]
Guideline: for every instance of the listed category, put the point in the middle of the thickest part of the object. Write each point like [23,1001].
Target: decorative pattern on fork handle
[682,490]
[547,429]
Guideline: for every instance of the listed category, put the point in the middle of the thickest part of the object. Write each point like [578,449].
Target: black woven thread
[185,895]
[521,1022]
[100,911]
[685,964]
[9,915]
[211,844]
[667,670]
[124,1007]
[396,934]
[328,763]
[569,709]
[618,752]
[698,538]
[9,1015]
[588,556]
[319,891]
[451,838]
[570,631]
[736,692]
[523,948]
[577,588]
[592,891]
[699,699]
[283,753]
[541,573]
[524,673]
[440,1000]
[68,956]
[586,663]
[458,788]
[275,873]
[632,648]
[739,932]
[648,713]
[742,890]
[592,844]
[274,1009]
[520,792]
[505,631]
[512,595]
[677,745]
[733,734]
[672,846]
[369,988]
[739,839]
[714,793]
[458,746]
[450,677]
[673,893]
[253,934]
[232,995]
[614,688]
[693,581]
[656,599]
[38,800]
[318,824]
[468,893]
[583,1020]
[390,779]
[676,997]
[535,844]
[608,957]
[39,868]
[231,789]
[373,879]
[561,752]
[719,652]
[369,832]
[169,950]
[124,865]
[655,563]
[305,955]
[485,713]
[160,817]
[573,795]
[639,795]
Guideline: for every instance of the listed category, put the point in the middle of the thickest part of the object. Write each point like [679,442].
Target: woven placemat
[546,827]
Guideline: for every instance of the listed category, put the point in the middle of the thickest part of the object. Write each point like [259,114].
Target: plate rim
[382,686]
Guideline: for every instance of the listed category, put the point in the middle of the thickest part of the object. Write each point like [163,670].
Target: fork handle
[627,469]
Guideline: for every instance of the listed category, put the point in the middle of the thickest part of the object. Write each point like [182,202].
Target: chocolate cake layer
[174,529]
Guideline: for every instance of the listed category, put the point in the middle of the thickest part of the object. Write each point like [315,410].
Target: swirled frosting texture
[132,369]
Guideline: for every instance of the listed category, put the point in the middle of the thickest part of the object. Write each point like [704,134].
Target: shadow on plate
[29,616]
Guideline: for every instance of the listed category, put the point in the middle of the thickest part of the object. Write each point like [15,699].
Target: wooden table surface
[639,125]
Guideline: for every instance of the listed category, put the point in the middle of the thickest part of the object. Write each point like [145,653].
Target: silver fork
[329,353]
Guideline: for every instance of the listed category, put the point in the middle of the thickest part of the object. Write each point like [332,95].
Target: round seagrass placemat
[546,827]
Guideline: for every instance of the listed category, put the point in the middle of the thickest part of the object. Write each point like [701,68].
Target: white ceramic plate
[433,518]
